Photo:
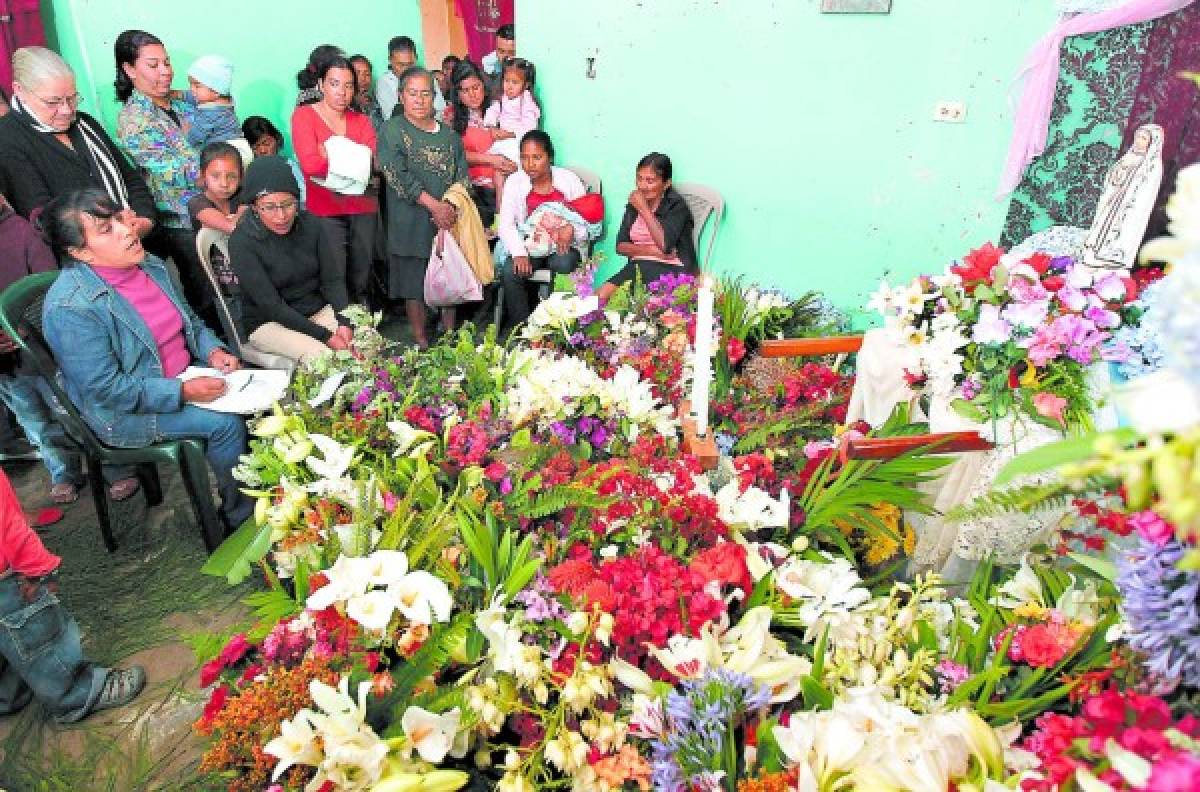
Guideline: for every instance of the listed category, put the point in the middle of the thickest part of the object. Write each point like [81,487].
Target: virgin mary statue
[1130,189]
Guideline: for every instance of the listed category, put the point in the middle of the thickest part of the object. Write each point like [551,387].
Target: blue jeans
[28,397]
[224,437]
[41,655]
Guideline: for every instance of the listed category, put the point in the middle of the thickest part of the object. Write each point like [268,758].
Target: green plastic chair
[21,318]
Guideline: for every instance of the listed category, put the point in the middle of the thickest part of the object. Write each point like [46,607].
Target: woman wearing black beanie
[293,288]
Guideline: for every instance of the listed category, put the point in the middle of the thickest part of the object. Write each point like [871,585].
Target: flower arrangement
[496,566]
[997,337]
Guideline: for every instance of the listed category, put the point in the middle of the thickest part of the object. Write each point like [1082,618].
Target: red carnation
[1040,263]
[977,266]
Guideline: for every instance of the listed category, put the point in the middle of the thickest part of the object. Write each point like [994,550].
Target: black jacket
[677,224]
[287,278]
[35,167]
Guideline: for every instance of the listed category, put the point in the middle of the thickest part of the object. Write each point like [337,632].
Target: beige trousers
[275,338]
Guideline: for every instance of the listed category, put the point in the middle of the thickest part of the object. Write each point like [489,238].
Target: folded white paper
[247,391]
[349,166]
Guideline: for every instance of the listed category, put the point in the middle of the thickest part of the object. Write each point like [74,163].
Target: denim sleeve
[85,354]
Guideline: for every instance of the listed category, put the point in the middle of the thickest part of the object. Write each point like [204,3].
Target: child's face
[202,92]
[514,83]
[221,178]
[267,146]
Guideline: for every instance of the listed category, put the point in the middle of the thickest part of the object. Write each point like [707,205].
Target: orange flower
[624,766]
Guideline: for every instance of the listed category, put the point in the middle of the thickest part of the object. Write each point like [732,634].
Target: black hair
[219,150]
[542,139]
[454,60]
[126,50]
[360,58]
[401,44]
[306,78]
[526,69]
[62,222]
[255,128]
[506,32]
[465,70]
[336,62]
[659,163]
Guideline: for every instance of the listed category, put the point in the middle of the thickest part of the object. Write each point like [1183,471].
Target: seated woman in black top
[656,232]
[292,287]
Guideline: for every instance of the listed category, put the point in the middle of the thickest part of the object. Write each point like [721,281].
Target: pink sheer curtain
[1040,77]
[480,19]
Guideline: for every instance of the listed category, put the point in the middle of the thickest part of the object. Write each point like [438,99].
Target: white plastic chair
[703,202]
[206,240]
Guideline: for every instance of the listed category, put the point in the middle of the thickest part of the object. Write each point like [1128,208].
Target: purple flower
[1072,298]
[1101,316]
[971,388]
[1161,605]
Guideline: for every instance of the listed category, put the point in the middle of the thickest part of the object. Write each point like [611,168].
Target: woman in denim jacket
[122,335]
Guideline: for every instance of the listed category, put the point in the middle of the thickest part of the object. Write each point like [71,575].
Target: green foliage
[444,640]
[233,559]
[499,561]
[761,436]
[1064,452]
[1026,499]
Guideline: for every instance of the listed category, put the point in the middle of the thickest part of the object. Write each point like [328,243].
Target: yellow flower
[1030,610]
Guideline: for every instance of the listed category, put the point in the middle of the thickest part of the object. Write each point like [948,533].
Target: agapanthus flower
[1161,604]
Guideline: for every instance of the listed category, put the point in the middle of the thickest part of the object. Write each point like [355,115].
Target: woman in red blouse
[350,219]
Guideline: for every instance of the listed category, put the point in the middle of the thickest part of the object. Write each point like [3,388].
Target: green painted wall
[817,128]
[268,41]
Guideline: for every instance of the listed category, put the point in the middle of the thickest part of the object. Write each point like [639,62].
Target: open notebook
[249,391]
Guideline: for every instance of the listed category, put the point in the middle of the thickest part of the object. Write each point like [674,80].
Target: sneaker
[121,687]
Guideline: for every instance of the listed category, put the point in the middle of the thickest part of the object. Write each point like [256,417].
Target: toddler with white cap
[214,120]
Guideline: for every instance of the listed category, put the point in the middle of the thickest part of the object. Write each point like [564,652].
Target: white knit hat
[213,71]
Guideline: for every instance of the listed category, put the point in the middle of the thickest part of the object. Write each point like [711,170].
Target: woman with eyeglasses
[292,281]
[48,147]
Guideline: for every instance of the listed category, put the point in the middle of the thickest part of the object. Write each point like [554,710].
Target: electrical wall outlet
[950,112]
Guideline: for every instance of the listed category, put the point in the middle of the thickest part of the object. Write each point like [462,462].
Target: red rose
[1131,289]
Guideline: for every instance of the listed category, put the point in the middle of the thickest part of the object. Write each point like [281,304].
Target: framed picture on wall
[856,6]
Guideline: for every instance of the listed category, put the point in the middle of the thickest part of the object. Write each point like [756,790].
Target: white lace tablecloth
[878,388]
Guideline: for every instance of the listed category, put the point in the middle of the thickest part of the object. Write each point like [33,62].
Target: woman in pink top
[351,220]
[121,334]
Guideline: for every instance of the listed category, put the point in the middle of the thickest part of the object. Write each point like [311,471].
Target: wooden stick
[892,447]
[810,347]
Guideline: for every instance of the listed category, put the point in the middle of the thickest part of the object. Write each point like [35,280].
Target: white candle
[701,373]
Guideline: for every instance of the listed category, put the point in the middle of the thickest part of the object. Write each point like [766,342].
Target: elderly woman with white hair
[49,148]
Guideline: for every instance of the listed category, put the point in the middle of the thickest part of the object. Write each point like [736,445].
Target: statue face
[1141,141]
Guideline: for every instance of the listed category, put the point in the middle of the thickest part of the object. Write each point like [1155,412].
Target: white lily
[372,610]
[410,440]
[345,580]
[431,734]
[753,509]
[1022,588]
[688,658]
[422,597]
[336,460]
[631,676]
[296,744]
[384,566]
[504,639]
